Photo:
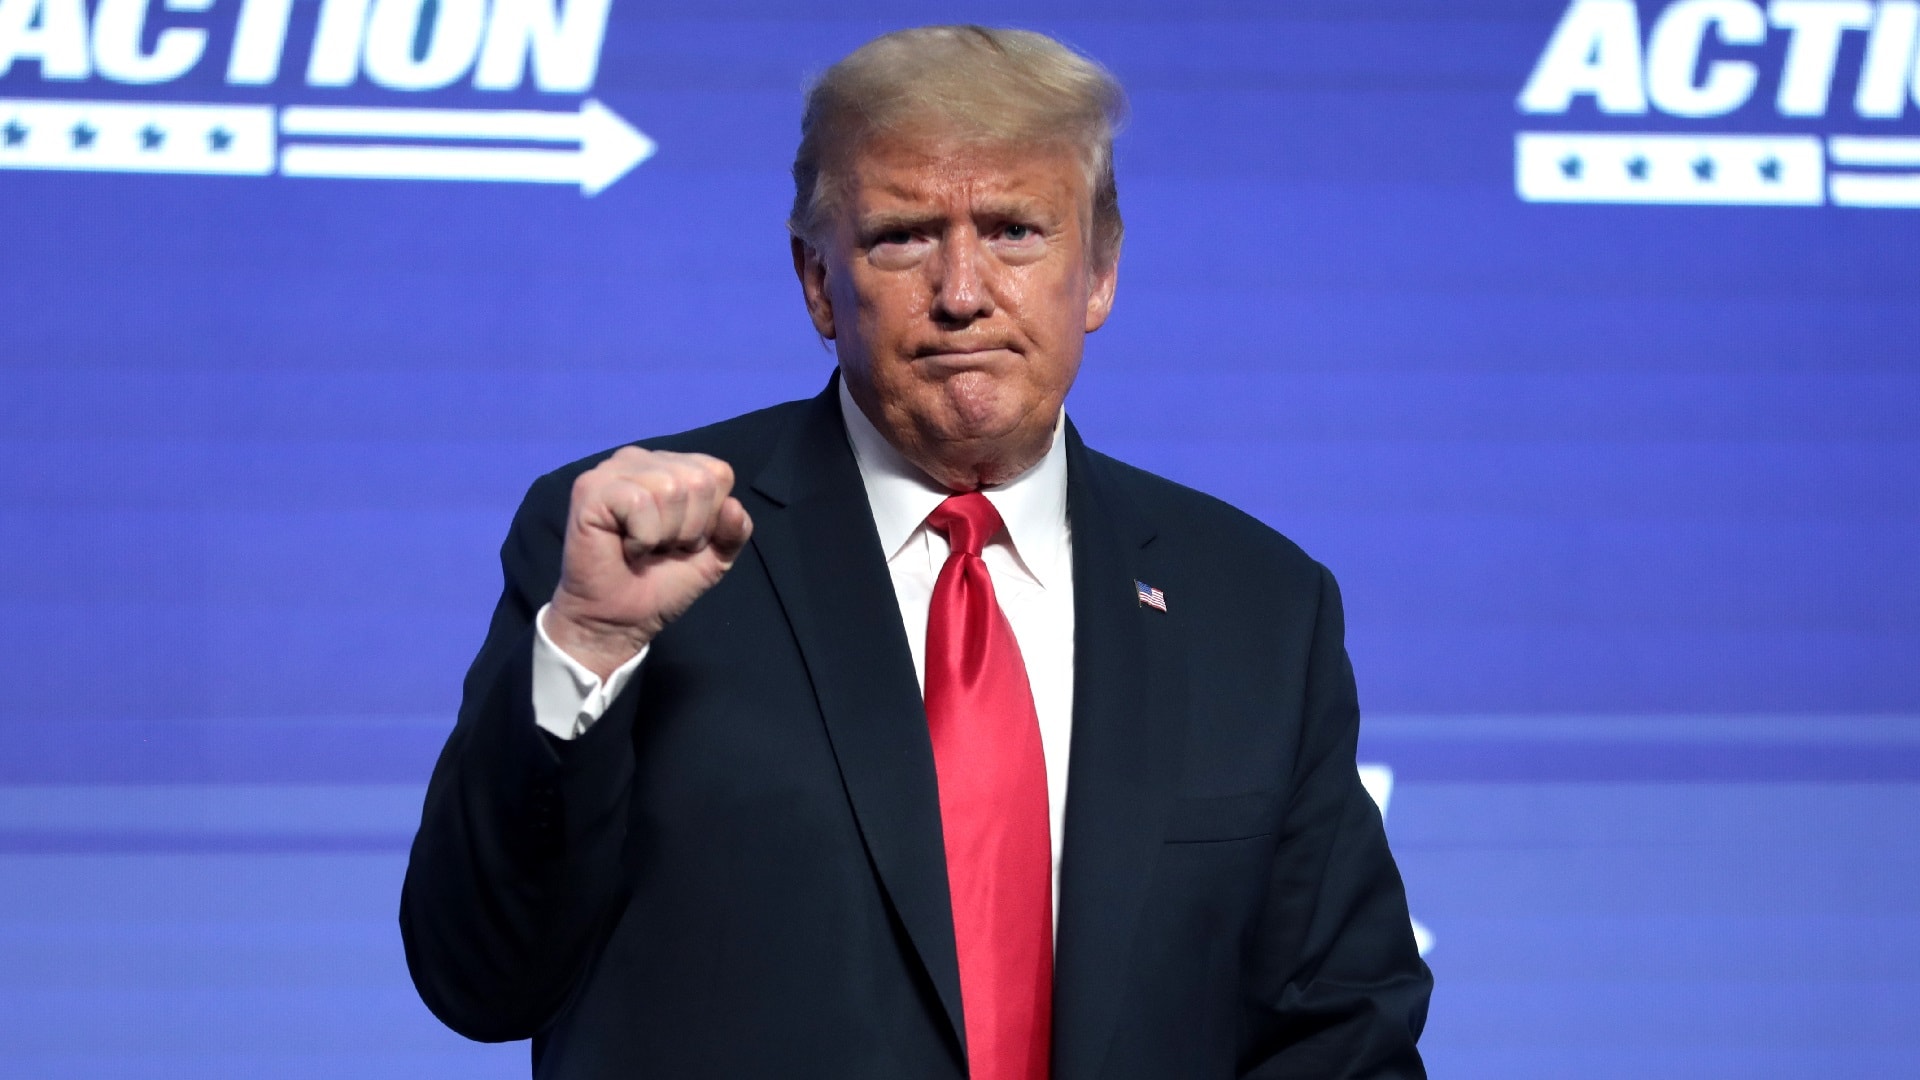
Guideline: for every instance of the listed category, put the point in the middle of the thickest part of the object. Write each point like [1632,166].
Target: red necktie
[993,806]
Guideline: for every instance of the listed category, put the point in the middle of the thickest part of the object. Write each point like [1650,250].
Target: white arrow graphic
[607,146]
[1885,188]
[595,146]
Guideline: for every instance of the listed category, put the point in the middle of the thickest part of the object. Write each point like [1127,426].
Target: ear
[812,271]
[1100,296]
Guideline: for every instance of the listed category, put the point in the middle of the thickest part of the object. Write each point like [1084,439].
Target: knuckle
[668,487]
[629,461]
[589,492]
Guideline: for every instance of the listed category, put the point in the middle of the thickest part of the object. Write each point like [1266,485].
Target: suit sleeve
[517,871]
[1339,991]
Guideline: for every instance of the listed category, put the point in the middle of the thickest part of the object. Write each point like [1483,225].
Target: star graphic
[1637,167]
[15,134]
[83,135]
[1703,168]
[1770,170]
[151,137]
[1571,166]
[219,139]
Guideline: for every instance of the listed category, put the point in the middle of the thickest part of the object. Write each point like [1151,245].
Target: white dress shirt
[1031,563]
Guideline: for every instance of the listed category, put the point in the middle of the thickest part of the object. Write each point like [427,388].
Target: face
[957,284]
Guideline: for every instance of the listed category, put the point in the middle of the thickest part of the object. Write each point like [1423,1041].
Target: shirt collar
[1033,505]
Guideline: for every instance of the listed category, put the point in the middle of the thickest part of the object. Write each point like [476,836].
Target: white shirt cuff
[567,698]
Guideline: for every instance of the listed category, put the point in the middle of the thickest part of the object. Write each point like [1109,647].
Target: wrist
[595,644]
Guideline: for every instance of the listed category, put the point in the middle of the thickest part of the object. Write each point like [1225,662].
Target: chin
[976,405]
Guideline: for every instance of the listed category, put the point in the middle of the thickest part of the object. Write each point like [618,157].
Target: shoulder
[1209,540]
[1174,511]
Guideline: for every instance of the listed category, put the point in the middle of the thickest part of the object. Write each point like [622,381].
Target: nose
[960,291]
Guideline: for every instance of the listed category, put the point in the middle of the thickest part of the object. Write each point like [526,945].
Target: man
[896,734]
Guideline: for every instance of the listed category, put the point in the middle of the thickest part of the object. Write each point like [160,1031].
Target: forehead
[890,172]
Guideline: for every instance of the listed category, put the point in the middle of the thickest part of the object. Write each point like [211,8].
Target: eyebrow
[995,209]
[1012,207]
[889,220]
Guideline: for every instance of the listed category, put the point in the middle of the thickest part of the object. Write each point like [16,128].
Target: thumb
[731,529]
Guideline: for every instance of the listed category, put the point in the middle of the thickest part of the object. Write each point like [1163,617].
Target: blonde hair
[972,83]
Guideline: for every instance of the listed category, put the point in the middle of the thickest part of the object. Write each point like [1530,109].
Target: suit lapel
[1124,765]
[814,532]
[819,546]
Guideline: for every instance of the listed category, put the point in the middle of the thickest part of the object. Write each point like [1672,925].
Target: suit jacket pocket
[1223,817]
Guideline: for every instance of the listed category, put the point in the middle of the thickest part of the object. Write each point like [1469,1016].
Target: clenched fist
[647,533]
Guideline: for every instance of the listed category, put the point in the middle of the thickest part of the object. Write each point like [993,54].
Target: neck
[962,465]
[963,471]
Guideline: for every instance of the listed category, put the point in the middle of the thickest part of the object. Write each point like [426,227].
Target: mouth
[964,356]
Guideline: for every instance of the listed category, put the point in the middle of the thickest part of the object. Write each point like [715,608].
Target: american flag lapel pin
[1150,596]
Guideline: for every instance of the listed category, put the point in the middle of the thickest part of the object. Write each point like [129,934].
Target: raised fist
[647,533]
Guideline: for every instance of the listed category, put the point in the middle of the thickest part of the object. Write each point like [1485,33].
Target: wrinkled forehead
[944,169]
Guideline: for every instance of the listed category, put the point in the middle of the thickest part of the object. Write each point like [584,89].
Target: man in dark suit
[895,733]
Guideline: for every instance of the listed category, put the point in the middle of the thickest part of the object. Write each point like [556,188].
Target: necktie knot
[968,521]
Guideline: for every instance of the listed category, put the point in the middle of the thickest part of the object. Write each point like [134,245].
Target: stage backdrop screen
[1579,338]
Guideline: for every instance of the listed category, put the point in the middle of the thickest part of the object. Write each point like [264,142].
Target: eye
[893,236]
[1018,232]
[896,247]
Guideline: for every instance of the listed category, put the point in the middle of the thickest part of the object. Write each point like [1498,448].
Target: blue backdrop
[1581,340]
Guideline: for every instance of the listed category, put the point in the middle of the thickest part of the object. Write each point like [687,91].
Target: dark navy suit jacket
[737,872]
